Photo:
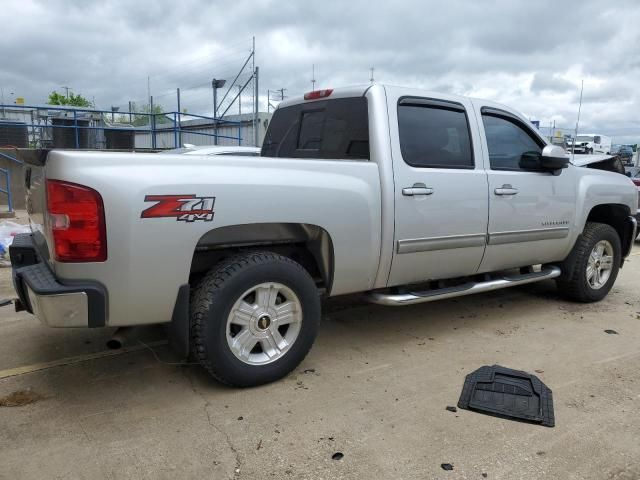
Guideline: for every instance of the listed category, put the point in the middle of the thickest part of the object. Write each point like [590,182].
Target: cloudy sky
[531,55]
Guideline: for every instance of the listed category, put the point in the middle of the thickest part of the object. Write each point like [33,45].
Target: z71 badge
[186,208]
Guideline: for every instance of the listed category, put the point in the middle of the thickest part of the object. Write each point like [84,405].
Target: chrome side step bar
[411,298]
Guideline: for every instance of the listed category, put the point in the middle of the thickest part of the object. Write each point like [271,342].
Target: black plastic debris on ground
[446,466]
[5,301]
[611,332]
[508,393]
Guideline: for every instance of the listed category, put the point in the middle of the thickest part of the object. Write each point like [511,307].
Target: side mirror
[552,158]
[531,161]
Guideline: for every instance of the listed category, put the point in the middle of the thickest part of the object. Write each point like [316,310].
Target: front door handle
[506,189]
[417,189]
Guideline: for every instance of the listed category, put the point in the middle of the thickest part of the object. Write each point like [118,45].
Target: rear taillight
[76,219]
[636,181]
[318,94]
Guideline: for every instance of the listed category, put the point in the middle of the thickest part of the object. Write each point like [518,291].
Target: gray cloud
[543,82]
[530,55]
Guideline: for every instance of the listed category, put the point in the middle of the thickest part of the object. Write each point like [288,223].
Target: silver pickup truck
[403,195]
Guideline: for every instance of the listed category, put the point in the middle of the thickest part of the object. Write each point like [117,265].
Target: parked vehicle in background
[590,143]
[560,142]
[215,150]
[634,174]
[403,195]
[624,152]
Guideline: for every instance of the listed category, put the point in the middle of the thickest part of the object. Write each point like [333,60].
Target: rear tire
[596,262]
[254,318]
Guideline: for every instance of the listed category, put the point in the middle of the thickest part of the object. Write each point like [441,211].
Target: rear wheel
[254,318]
[596,261]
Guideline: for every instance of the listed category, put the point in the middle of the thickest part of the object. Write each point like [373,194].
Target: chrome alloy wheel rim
[264,323]
[600,264]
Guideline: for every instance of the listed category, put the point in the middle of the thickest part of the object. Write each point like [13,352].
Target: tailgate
[36,196]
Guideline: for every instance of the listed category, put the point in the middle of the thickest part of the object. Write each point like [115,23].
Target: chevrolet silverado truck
[399,194]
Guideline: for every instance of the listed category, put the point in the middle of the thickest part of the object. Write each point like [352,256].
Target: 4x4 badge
[186,208]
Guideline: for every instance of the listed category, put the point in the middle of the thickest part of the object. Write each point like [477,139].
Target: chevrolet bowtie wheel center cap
[264,322]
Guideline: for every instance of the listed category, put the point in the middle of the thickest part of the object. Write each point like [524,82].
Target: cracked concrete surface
[375,387]
[205,406]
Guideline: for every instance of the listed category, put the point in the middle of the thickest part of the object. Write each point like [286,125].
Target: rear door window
[434,134]
[328,129]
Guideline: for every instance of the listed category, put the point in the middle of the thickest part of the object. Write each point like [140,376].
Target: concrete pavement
[374,387]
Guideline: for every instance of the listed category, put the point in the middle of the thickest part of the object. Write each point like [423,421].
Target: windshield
[584,138]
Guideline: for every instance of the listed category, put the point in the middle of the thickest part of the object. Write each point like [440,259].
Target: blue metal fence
[7,179]
[38,119]
[7,190]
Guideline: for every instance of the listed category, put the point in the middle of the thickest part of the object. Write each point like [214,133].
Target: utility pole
[152,123]
[178,119]
[575,138]
[313,77]
[255,113]
[130,119]
[215,85]
[371,79]
[67,91]
[254,69]
[239,101]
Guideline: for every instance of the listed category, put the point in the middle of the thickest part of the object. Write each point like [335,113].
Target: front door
[440,190]
[530,213]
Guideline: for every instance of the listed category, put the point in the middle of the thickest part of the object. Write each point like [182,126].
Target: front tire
[596,261]
[254,318]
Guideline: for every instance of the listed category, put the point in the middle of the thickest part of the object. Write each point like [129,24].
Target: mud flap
[508,393]
[178,330]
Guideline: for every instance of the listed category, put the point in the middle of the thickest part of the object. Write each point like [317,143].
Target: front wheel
[596,261]
[254,318]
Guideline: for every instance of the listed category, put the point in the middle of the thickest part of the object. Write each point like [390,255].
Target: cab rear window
[336,129]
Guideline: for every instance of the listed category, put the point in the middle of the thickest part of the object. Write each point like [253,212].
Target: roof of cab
[360,90]
[342,92]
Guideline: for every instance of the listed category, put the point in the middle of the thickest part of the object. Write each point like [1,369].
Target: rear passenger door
[440,189]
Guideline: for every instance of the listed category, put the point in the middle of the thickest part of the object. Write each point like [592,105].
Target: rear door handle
[506,189]
[417,189]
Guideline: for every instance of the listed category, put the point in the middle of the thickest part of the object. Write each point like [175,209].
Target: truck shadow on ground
[350,328]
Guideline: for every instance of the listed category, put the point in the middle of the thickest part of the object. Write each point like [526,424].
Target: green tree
[75,100]
[141,120]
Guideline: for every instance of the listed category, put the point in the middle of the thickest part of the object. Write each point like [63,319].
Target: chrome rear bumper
[56,304]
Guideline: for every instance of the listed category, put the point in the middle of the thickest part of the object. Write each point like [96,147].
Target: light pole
[215,85]
[113,111]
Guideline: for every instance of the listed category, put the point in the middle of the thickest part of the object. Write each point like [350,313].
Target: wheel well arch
[615,215]
[310,245]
